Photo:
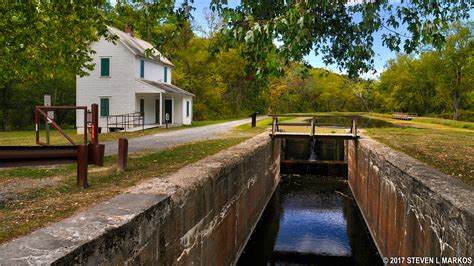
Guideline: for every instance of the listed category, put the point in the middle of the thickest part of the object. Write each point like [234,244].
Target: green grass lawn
[36,206]
[444,144]
[445,122]
[261,126]
[425,122]
[451,152]
[25,138]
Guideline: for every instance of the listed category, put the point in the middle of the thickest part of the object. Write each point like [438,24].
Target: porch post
[161,108]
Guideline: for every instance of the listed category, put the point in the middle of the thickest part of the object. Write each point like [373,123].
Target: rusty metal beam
[286,135]
[310,115]
[50,108]
[36,155]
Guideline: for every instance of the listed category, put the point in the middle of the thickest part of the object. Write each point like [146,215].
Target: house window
[105,67]
[104,106]
[166,75]
[142,68]
[187,108]
[142,106]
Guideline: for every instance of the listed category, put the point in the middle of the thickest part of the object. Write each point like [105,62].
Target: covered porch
[162,103]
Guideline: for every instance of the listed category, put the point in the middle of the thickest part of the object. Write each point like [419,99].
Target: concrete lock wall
[411,209]
[202,215]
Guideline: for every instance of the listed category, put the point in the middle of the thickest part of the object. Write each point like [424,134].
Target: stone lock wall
[201,215]
[411,209]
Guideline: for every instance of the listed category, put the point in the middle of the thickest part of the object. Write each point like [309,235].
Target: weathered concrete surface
[202,214]
[410,208]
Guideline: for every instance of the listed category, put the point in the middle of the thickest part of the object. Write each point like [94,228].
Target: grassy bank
[448,149]
[261,125]
[25,138]
[33,197]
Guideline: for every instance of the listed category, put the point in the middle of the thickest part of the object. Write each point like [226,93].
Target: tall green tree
[40,38]
[457,59]
[341,31]
[437,81]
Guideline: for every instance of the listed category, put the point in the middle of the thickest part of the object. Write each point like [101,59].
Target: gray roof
[139,46]
[170,88]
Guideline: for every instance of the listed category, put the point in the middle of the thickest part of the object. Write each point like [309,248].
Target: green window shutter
[142,68]
[187,108]
[105,67]
[104,107]
[166,75]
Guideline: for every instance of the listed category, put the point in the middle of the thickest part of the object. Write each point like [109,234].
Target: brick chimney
[128,29]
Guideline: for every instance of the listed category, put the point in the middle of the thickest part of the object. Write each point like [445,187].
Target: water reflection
[311,221]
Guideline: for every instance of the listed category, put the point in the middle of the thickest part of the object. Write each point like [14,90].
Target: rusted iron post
[94,124]
[96,150]
[122,154]
[95,154]
[82,166]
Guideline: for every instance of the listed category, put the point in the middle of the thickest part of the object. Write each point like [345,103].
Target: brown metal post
[95,124]
[82,166]
[122,154]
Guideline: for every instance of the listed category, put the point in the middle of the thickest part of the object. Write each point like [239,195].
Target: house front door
[157,111]
[169,110]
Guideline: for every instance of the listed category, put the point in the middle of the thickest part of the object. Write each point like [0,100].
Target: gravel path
[164,140]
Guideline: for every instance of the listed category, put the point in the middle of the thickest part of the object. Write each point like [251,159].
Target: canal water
[311,220]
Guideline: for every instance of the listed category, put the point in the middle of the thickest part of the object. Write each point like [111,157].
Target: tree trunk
[456,96]
[5,106]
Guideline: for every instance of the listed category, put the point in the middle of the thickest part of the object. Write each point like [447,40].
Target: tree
[457,59]
[39,37]
[342,31]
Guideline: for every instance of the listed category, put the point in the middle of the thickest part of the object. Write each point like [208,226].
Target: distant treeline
[227,84]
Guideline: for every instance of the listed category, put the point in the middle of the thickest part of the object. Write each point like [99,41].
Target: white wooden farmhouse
[130,86]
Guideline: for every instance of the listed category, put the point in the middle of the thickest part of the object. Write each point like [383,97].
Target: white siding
[150,111]
[187,120]
[153,70]
[118,87]
[121,85]
[178,109]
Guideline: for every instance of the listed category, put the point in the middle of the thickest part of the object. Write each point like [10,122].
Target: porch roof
[143,87]
[167,87]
